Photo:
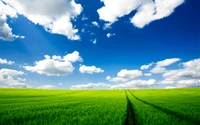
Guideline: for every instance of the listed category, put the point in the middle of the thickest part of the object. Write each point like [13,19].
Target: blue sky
[139,33]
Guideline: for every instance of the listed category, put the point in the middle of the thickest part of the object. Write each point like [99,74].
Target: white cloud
[73,57]
[9,78]
[91,86]
[125,75]
[90,69]
[135,84]
[109,35]
[95,23]
[5,30]
[190,70]
[47,87]
[157,70]
[167,62]
[144,67]
[60,83]
[94,41]
[152,11]
[188,76]
[55,66]
[5,61]
[160,65]
[54,16]
[147,10]
[148,74]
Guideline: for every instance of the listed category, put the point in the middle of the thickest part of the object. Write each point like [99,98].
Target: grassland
[100,107]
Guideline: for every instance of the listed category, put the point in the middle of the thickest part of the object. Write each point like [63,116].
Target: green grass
[19,106]
[99,107]
[147,115]
[184,102]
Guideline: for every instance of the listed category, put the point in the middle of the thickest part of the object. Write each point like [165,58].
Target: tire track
[130,117]
[169,112]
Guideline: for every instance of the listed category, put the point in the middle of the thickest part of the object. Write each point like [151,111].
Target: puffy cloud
[54,16]
[55,66]
[135,84]
[147,10]
[95,23]
[73,57]
[112,10]
[148,74]
[91,86]
[152,11]
[5,30]
[5,61]
[125,75]
[109,35]
[47,87]
[143,67]
[90,69]
[9,78]
[160,65]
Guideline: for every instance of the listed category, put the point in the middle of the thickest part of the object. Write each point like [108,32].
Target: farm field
[100,107]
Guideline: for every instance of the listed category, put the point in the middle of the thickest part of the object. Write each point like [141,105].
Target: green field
[100,107]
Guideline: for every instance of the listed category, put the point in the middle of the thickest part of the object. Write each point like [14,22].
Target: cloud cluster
[90,69]
[147,10]
[55,65]
[9,78]
[189,75]
[125,75]
[90,86]
[160,66]
[5,61]
[54,16]
[5,30]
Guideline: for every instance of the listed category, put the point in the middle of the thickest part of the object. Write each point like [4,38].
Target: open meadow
[100,107]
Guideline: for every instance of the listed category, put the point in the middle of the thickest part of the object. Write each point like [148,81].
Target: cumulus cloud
[9,78]
[144,67]
[160,65]
[73,57]
[147,10]
[187,76]
[5,61]
[95,23]
[135,84]
[90,69]
[91,86]
[125,75]
[109,35]
[54,16]
[55,65]
[5,30]
[47,87]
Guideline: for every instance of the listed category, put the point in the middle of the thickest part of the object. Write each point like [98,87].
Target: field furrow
[148,115]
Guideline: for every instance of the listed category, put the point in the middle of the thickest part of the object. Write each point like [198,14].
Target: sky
[99,44]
